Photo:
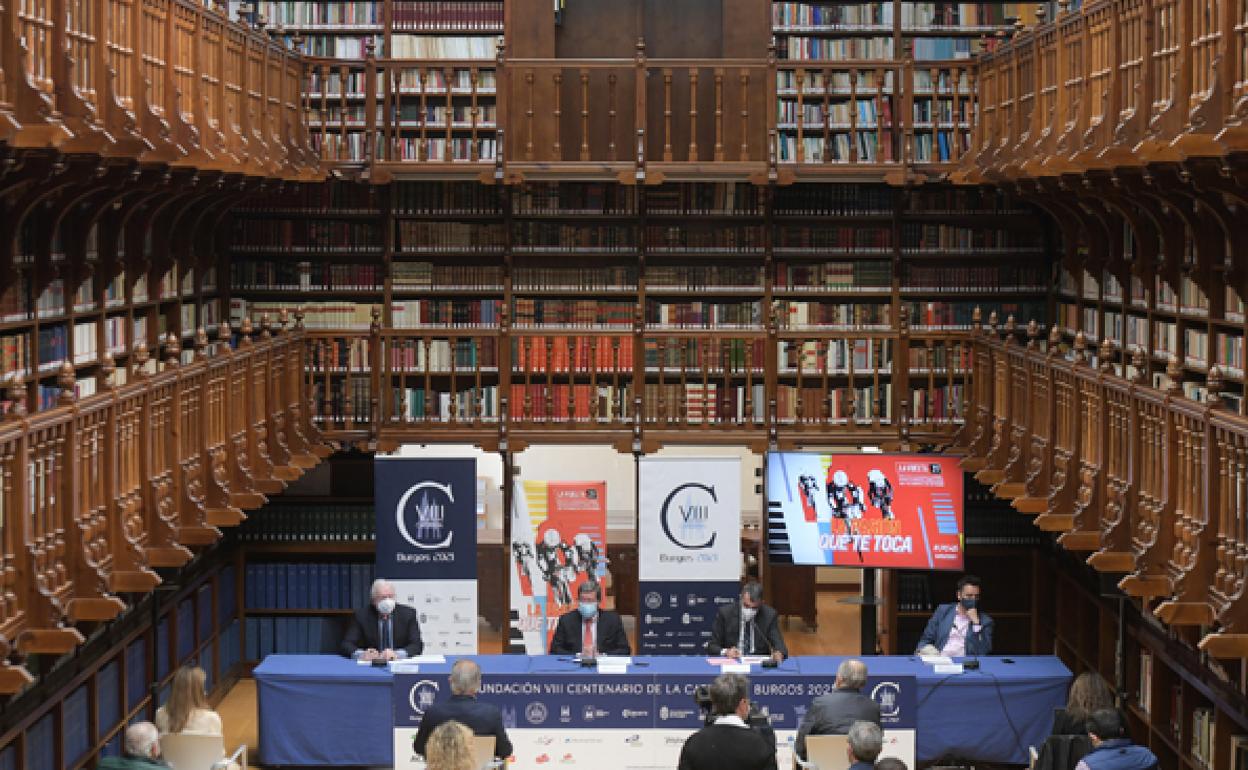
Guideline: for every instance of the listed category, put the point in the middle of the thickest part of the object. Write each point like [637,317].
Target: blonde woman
[187,709]
[450,748]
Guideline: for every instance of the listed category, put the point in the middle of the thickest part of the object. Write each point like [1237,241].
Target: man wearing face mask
[384,630]
[959,629]
[748,628]
[589,630]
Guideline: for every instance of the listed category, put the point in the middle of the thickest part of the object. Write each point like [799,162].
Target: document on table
[936,660]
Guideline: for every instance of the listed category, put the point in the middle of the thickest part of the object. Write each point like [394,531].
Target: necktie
[741,638]
[385,633]
[587,644]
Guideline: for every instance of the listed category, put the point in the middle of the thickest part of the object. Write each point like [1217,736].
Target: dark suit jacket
[832,714]
[728,747]
[1065,724]
[481,718]
[362,631]
[726,631]
[938,628]
[569,632]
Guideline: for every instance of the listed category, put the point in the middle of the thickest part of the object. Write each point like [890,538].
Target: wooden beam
[1112,561]
[1185,613]
[1145,586]
[1080,541]
[171,556]
[133,581]
[13,679]
[224,517]
[989,476]
[266,487]
[247,500]
[1030,505]
[198,535]
[96,608]
[48,641]
[1010,489]
[1055,522]
[974,464]
[1225,646]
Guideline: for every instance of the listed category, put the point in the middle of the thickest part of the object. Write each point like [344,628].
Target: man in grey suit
[834,713]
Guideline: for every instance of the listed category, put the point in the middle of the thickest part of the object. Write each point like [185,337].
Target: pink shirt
[955,645]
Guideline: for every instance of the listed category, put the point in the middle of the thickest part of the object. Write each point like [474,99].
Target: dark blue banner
[426,518]
[676,616]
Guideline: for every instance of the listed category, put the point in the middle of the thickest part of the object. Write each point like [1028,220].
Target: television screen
[864,510]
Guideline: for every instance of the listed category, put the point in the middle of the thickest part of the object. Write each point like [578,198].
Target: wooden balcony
[1118,84]
[1146,484]
[158,82]
[99,493]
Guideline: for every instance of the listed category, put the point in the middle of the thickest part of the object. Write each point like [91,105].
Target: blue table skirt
[327,710]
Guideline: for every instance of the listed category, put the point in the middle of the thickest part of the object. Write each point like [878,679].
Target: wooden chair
[188,751]
[825,752]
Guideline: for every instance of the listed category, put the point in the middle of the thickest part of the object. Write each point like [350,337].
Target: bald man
[140,750]
[836,712]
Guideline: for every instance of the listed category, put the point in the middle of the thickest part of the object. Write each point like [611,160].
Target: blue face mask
[969,604]
[588,609]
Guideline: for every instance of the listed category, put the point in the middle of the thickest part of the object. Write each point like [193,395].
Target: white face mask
[385,606]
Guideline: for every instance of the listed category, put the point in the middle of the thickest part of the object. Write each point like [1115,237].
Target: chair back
[483,751]
[1062,752]
[828,752]
[187,751]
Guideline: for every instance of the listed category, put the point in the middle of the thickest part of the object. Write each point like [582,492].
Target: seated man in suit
[748,628]
[729,743]
[384,630]
[140,750]
[463,707]
[590,630]
[959,630]
[836,712]
[866,741]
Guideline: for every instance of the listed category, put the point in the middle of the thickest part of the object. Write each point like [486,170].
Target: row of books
[583,353]
[953,279]
[292,636]
[338,146]
[1231,353]
[327,198]
[701,277]
[437,80]
[726,237]
[941,146]
[316,315]
[862,275]
[834,200]
[959,314]
[411,114]
[436,47]
[926,15]
[860,404]
[864,356]
[863,146]
[1195,347]
[693,198]
[342,46]
[342,402]
[941,404]
[959,201]
[580,278]
[340,355]
[575,197]
[808,315]
[419,404]
[421,15]
[834,81]
[941,358]
[451,313]
[441,355]
[914,592]
[427,275]
[945,48]
[305,585]
[294,13]
[547,236]
[945,80]
[849,15]
[701,354]
[703,315]
[457,237]
[799,47]
[832,237]
[862,113]
[306,276]
[440,197]
[585,313]
[922,237]
[941,110]
[438,149]
[306,235]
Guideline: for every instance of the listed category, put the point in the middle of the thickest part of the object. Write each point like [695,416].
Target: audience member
[890,763]
[187,709]
[450,748]
[1088,693]
[384,630]
[591,630]
[832,714]
[729,743]
[463,707]
[140,750]
[1111,749]
[866,741]
[748,628]
[959,629]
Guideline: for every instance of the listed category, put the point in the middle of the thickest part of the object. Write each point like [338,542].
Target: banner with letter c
[688,549]
[427,545]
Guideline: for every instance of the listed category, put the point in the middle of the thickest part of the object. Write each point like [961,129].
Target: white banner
[448,613]
[690,519]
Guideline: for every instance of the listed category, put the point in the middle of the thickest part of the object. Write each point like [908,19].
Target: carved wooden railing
[1146,483]
[157,81]
[639,118]
[98,492]
[1117,83]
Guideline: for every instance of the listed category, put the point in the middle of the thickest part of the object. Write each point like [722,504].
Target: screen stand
[868,600]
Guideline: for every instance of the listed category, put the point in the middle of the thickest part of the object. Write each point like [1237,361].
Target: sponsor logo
[583,741]
[888,695]
[654,600]
[545,740]
[672,740]
[634,740]
[535,713]
[634,713]
[543,759]
[568,759]
[666,713]
[692,516]
[565,714]
[684,619]
[694,600]
[674,601]
[422,694]
[590,713]
[428,501]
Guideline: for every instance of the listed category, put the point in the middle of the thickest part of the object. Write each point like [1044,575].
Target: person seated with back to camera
[187,711]
[140,750]
[729,743]
[383,630]
[591,630]
[959,629]
[748,628]
[463,707]
[866,741]
[835,712]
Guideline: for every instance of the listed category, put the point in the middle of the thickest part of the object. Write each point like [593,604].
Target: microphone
[771,662]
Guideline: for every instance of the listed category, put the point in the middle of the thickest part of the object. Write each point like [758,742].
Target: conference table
[323,710]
